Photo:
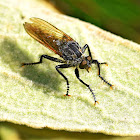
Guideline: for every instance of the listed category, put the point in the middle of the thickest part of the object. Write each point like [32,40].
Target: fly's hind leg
[41,58]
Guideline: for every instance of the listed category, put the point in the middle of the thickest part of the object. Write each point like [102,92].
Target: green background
[121,17]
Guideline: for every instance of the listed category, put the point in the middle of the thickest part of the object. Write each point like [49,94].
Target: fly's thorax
[71,51]
[75,62]
[86,63]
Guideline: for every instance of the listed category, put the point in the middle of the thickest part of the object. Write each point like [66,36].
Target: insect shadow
[13,56]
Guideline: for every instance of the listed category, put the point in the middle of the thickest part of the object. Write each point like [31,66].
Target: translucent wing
[46,34]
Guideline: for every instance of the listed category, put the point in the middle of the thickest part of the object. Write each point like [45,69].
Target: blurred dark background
[121,17]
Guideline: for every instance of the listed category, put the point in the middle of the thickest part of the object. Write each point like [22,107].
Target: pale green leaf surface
[33,95]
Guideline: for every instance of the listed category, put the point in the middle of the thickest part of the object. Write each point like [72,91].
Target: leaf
[33,95]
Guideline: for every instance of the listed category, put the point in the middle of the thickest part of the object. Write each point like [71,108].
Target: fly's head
[86,63]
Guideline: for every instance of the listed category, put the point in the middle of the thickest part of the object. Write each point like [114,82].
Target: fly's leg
[46,57]
[57,67]
[77,75]
[64,66]
[84,48]
[98,65]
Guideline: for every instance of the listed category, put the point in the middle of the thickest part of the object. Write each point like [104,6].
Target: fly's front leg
[64,66]
[84,48]
[77,75]
[98,65]
[46,57]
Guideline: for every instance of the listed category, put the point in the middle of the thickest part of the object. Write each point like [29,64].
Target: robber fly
[63,45]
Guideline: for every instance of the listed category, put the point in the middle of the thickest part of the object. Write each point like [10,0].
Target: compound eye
[89,58]
[84,62]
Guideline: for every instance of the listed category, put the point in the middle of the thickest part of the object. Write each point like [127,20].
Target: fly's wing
[46,34]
